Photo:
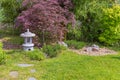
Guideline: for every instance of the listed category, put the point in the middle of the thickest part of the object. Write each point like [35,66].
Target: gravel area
[100,52]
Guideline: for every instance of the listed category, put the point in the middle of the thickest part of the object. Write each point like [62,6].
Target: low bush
[75,44]
[2,55]
[36,55]
[52,50]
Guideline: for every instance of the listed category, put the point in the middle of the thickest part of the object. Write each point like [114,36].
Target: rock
[32,78]
[32,70]
[92,48]
[13,74]
[88,49]
[95,47]
[25,65]
[62,43]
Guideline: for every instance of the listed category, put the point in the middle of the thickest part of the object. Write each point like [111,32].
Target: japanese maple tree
[48,16]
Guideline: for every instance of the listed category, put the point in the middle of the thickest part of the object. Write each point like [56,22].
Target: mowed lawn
[66,66]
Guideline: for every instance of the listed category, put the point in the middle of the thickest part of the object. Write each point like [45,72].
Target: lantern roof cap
[27,34]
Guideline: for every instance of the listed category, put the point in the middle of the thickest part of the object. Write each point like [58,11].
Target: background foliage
[96,20]
[9,10]
[96,24]
[88,12]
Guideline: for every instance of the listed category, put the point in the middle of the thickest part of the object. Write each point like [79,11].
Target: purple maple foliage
[50,16]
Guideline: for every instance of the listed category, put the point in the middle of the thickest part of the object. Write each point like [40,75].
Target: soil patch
[8,46]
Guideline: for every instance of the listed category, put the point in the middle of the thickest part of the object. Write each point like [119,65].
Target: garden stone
[88,49]
[32,70]
[13,74]
[62,43]
[25,65]
[32,78]
[95,47]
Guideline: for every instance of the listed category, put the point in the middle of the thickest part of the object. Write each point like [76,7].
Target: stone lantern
[28,45]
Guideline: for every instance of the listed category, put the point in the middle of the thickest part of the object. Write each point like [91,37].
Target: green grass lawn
[66,66]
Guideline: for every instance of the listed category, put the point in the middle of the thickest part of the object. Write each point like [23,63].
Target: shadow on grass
[14,51]
[116,57]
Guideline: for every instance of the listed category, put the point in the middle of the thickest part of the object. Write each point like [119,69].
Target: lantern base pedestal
[28,47]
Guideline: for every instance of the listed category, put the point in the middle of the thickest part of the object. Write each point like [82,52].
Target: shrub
[46,17]
[63,47]
[110,27]
[52,50]
[2,55]
[36,55]
[75,44]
